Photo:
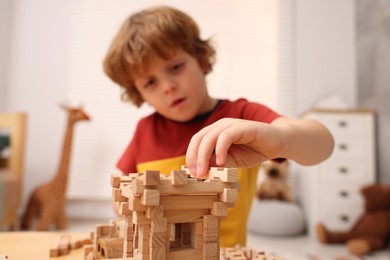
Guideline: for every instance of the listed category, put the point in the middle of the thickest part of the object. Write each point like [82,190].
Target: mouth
[177,102]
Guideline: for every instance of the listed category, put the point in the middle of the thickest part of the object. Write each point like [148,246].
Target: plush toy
[275,185]
[372,230]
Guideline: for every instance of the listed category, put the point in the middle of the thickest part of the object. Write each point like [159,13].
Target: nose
[169,85]
[273,173]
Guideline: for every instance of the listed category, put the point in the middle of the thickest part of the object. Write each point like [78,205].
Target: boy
[158,57]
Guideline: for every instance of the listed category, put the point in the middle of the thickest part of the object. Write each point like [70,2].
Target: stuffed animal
[275,185]
[372,230]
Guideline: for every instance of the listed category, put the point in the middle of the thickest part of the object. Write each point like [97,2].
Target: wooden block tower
[167,217]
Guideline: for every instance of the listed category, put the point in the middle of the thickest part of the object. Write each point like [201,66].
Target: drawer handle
[344,218]
[343,170]
[344,194]
[342,123]
[343,147]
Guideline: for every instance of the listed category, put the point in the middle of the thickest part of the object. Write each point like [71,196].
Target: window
[254,42]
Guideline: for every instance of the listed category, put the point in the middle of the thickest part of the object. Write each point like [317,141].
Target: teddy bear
[275,185]
[372,230]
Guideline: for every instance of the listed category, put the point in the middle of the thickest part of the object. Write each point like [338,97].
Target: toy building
[169,217]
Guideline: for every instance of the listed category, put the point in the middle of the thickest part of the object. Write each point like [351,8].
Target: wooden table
[36,245]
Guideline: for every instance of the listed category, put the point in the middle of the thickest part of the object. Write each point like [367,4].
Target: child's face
[176,87]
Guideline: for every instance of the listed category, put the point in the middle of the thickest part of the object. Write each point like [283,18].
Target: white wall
[5,33]
[325,51]
[37,80]
[37,75]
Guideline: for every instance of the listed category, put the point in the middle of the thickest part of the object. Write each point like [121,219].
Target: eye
[177,67]
[149,83]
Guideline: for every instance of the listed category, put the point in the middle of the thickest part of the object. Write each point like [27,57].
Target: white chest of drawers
[330,191]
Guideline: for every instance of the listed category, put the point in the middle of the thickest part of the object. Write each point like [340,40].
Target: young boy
[158,57]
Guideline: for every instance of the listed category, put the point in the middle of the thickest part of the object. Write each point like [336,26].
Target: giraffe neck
[63,170]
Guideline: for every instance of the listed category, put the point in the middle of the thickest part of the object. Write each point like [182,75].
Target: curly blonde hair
[154,31]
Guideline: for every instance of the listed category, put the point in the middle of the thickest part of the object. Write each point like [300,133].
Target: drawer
[352,147]
[340,195]
[340,219]
[356,171]
[346,123]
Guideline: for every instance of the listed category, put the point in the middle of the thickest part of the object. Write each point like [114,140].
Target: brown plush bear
[275,185]
[372,230]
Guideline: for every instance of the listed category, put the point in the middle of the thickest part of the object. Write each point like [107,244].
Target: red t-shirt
[157,137]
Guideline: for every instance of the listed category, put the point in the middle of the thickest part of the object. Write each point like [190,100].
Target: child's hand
[244,143]
[237,143]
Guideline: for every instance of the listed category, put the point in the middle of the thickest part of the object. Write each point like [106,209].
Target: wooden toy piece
[242,253]
[173,218]
[178,178]
[48,201]
[60,246]
[80,243]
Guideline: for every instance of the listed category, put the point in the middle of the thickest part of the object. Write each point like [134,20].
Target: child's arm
[244,143]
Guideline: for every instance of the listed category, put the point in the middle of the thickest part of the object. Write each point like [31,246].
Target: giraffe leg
[46,217]
[31,211]
[62,220]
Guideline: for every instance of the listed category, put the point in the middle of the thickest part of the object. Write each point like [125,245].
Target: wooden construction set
[167,217]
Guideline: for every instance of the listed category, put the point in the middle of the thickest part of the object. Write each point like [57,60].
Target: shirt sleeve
[258,112]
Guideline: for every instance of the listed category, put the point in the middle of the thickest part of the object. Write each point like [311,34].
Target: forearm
[306,141]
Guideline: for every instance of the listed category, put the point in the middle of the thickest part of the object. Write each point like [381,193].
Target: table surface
[36,245]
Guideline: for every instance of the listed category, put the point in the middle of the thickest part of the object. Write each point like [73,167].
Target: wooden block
[166,188]
[219,209]
[127,248]
[109,247]
[188,202]
[196,241]
[151,178]
[153,212]
[224,174]
[117,196]
[158,253]
[187,254]
[211,235]
[139,218]
[143,245]
[178,178]
[124,208]
[88,249]
[228,195]
[105,230]
[150,197]
[127,191]
[137,186]
[134,203]
[157,240]
[60,246]
[64,246]
[80,243]
[186,216]
[197,228]
[140,256]
[210,249]
[117,179]
[54,247]
[159,225]
[186,170]
[210,222]
[128,228]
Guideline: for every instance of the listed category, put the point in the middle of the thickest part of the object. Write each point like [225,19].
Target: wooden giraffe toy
[48,200]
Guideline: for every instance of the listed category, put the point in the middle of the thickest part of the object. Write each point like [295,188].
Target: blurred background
[291,55]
